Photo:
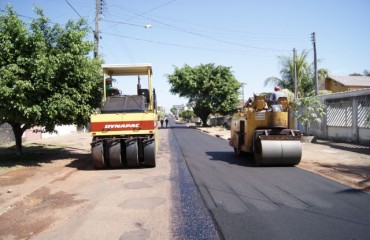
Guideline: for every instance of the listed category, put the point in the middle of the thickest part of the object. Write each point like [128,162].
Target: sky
[246,35]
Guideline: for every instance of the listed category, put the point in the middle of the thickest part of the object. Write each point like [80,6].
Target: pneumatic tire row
[119,153]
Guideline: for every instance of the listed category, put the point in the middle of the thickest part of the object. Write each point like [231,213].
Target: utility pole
[99,10]
[295,73]
[315,63]
[243,84]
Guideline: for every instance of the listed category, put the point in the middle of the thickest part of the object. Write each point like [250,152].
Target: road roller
[261,128]
[124,131]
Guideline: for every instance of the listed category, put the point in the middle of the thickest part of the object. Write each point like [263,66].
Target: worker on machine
[277,93]
[111,91]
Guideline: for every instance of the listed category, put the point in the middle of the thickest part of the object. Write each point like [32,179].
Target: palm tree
[305,75]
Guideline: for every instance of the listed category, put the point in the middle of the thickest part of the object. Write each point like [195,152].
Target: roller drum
[277,153]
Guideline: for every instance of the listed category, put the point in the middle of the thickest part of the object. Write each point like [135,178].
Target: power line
[74,9]
[236,52]
[152,9]
[228,30]
[270,35]
[19,15]
[125,23]
[96,31]
[78,14]
[242,34]
[204,36]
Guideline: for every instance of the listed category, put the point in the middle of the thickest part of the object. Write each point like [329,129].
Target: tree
[187,115]
[161,112]
[365,73]
[46,75]
[213,89]
[305,75]
[309,110]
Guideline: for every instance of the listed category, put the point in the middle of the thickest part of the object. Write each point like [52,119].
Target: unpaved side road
[62,197]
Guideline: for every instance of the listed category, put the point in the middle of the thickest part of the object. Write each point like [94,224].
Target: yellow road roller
[125,130]
[262,129]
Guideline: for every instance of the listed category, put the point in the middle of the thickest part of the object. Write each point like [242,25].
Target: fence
[347,117]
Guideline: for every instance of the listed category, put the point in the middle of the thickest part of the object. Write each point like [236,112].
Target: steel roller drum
[278,153]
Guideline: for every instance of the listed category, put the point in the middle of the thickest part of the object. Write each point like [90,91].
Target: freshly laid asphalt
[248,202]
[346,163]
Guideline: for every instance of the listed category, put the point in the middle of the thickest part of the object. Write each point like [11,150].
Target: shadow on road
[34,155]
[229,157]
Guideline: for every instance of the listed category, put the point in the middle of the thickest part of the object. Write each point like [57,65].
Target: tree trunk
[204,120]
[308,125]
[203,113]
[18,132]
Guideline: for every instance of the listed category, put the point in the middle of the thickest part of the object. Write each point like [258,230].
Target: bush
[309,110]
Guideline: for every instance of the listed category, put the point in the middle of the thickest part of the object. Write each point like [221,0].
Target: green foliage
[325,92]
[305,75]
[213,89]
[46,75]
[308,111]
[187,114]
[161,112]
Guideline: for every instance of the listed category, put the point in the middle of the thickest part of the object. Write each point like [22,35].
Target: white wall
[62,130]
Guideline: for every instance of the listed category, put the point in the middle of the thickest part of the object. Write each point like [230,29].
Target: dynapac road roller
[125,131]
[261,129]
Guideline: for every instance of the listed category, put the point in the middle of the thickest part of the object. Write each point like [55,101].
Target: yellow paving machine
[125,130]
[262,129]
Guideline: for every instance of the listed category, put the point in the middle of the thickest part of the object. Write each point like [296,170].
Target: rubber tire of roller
[132,157]
[97,153]
[115,159]
[149,154]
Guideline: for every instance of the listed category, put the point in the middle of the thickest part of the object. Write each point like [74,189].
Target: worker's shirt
[276,96]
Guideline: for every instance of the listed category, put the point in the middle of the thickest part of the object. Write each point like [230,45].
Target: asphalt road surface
[248,202]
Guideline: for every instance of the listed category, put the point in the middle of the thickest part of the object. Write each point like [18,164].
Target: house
[346,83]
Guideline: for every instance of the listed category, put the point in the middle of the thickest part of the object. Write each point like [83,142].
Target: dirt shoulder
[53,192]
[42,161]
[345,163]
